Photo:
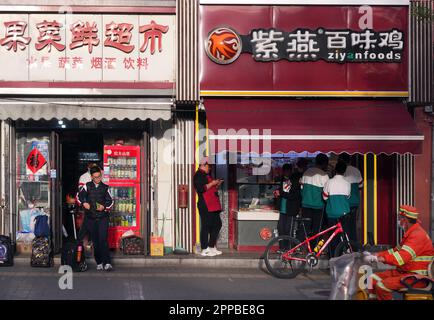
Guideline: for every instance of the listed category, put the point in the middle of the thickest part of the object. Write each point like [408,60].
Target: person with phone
[209,208]
[97,201]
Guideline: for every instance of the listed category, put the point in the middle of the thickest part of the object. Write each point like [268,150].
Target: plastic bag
[345,276]
[27,218]
[128,233]
[25,237]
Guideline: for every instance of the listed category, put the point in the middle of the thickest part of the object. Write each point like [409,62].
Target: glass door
[37,182]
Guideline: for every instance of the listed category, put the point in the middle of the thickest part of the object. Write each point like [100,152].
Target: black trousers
[210,225]
[318,219]
[98,229]
[284,227]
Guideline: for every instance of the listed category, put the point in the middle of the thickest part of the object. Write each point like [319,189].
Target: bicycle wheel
[345,248]
[280,267]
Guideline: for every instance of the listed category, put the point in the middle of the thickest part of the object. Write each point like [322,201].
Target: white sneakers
[210,252]
[107,267]
[214,250]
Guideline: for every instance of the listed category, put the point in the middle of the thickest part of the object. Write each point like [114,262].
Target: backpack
[42,229]
[42,254]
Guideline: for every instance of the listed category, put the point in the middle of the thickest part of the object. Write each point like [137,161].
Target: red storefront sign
[305,50]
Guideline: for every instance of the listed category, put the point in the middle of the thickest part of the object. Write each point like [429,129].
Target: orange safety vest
[414,253]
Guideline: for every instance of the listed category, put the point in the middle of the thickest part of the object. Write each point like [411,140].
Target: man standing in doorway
[354,177]
[85,177]
[312,184]
[209,208]
[97,202]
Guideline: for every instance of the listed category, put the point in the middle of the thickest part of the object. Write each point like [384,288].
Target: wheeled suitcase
[6,252]
[42,253]
[73,254]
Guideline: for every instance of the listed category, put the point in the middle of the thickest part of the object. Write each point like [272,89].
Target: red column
[422,169]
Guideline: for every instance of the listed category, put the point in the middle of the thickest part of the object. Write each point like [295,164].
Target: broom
[178,248]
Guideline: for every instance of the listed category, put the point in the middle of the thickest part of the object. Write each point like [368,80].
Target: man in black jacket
[289,194]
[97,201]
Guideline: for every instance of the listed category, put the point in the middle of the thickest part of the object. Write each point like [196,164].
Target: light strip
[241,93]
[317,137]
[309,2]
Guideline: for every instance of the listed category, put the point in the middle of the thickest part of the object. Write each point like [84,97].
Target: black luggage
[6,252]
[42,254]
[73,254]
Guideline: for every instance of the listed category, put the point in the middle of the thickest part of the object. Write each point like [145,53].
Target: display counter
[254,228]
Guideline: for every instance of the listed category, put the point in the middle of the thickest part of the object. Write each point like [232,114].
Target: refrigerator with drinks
[122,174]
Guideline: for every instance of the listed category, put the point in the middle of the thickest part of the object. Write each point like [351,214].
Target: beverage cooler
[122,174]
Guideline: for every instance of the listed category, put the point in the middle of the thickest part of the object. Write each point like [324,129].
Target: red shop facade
[291,80]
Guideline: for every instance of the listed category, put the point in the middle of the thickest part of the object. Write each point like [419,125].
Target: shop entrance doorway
[60,157]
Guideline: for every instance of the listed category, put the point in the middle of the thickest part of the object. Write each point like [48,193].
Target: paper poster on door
[36,162]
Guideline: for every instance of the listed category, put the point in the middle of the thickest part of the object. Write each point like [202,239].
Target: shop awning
[282,126]
[85,108]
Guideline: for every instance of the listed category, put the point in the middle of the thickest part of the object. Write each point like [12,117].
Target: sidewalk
[229,259]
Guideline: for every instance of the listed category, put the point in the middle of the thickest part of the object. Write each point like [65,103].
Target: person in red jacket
[411,256]
[209,208]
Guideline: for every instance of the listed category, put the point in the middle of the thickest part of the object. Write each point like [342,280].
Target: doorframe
[145,194]
[56,190]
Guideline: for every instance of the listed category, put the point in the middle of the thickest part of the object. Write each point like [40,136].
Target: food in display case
[256,196]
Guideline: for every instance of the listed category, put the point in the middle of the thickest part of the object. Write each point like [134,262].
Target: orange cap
[408,211]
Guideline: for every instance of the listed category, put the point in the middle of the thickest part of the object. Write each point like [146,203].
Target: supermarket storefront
[289,81]
[96,86]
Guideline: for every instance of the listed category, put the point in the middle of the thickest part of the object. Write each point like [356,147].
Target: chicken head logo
[223,45]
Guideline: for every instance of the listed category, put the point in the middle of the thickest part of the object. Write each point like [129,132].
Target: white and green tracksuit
[312,184]
[354,177]
[337,192]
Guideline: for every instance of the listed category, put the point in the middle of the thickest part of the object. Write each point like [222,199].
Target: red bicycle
[288,263]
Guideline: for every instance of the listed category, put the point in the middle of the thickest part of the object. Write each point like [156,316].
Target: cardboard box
[24,248]
[157,246]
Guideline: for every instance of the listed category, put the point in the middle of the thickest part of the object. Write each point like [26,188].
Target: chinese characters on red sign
[122,154]
[35,160]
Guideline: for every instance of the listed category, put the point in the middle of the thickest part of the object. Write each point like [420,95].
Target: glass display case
[256,196]
[257,178]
